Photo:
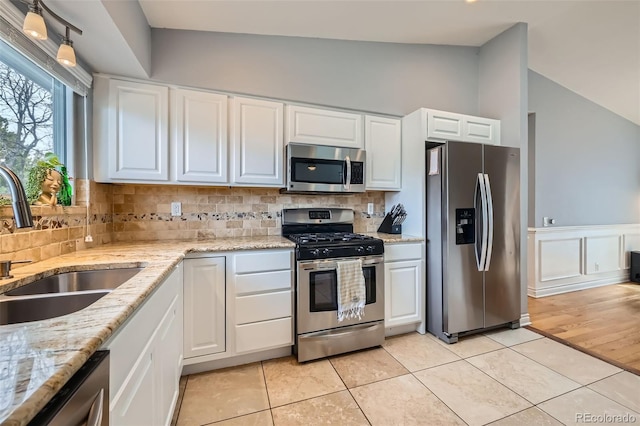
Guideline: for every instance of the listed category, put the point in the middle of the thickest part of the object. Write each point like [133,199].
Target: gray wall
[502,93]
[587,159]
[386,78]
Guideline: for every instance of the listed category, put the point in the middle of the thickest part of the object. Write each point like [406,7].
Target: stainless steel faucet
[21,210]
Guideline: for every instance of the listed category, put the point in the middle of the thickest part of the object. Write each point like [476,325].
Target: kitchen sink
[100,279]
[60,294]
[39,307]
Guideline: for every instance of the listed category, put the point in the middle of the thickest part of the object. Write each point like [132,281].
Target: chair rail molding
[569,258]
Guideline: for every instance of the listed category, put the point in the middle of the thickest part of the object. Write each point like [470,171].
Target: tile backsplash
[58,230]
[143,212]
[128,212]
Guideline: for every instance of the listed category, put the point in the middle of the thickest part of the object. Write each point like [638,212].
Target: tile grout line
[349,391]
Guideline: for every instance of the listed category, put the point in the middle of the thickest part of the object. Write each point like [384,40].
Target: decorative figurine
[49,188]
[48,183]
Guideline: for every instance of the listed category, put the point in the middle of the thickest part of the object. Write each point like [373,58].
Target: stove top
[329,237]
[327,233]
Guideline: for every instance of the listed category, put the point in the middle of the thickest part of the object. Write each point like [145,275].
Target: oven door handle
[324,334]
[324,265]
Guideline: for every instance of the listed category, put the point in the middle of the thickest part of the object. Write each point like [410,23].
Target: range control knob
[326,252]
[370,249]
[359,249]
[315,252]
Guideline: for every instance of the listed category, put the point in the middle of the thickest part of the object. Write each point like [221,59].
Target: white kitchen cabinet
[404,289]
[383,145]
[204,307]
[443,125]
[256,142]
[199,131]
[324,127]
[138,130]
[262,283]
[146,359]
[481,130]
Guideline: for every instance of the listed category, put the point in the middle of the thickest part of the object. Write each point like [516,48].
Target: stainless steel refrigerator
[473,238]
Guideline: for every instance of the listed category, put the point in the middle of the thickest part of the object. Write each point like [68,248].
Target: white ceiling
[590,47]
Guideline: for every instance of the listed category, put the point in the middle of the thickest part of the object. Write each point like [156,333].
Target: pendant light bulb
[66,55]
[34,25]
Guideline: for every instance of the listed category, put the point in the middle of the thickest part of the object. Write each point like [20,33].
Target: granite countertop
[395,238]
[37,358]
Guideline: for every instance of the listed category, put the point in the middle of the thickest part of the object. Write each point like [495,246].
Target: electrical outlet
[597,267]
[176,208]
[370,208]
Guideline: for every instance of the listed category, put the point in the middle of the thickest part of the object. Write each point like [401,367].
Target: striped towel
[352,292]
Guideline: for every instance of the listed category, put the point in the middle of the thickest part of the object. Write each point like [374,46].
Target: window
[32,114]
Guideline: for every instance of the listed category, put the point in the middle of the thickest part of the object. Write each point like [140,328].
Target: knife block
[387,226]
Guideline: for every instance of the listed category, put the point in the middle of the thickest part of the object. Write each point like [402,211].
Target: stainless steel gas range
[324,237]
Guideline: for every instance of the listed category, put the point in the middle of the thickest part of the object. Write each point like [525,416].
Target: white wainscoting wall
[570,258]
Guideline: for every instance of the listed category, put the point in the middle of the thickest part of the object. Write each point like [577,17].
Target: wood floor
[603,321]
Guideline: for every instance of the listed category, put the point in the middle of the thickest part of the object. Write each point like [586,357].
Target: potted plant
[48,182]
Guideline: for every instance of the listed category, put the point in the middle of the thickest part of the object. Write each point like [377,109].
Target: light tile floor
[507,377]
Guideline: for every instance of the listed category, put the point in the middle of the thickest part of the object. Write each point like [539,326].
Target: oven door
[317,294]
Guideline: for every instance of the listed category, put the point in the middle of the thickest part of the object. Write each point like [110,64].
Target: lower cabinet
[204,306]
[404,289]
[146,359]
[262,285]
[237,303]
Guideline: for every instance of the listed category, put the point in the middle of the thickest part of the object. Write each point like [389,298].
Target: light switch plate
[176,208]
[370,208]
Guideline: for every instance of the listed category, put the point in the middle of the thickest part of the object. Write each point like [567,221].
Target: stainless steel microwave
[323,168]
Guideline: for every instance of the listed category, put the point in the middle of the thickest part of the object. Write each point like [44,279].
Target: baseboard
[566,288]
[236,360]
[525,319]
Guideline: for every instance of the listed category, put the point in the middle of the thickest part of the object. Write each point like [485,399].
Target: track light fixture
[35,27]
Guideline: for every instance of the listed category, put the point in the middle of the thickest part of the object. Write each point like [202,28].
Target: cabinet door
[168,363]
[200,133]
[324,127]
[136,403]
[204,306]
[444,125]
[256,141]
[383,143]
[403,293]
[481,130]
[138,131]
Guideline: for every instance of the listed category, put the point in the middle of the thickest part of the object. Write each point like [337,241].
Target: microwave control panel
[357,172]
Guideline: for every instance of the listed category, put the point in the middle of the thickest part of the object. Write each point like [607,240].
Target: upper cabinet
[256,142]
[199,131]
[134,140]
[323,127]
[383,145]
[442,125]
[137,133]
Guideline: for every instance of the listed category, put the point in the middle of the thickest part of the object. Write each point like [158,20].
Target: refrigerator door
[463,284]
[502,276]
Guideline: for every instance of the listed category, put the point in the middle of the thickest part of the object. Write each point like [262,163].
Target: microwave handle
[347,184]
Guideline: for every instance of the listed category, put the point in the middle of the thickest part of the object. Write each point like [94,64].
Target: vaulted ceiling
[590,47]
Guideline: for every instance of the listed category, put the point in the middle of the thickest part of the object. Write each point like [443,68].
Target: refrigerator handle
[482,238]
[489,238]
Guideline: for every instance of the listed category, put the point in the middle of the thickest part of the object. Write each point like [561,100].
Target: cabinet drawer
[260,307]
[262,261]
[262,282]
[393,252]
[264,335]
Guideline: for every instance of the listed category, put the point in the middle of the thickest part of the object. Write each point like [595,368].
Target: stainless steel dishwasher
[83,400]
